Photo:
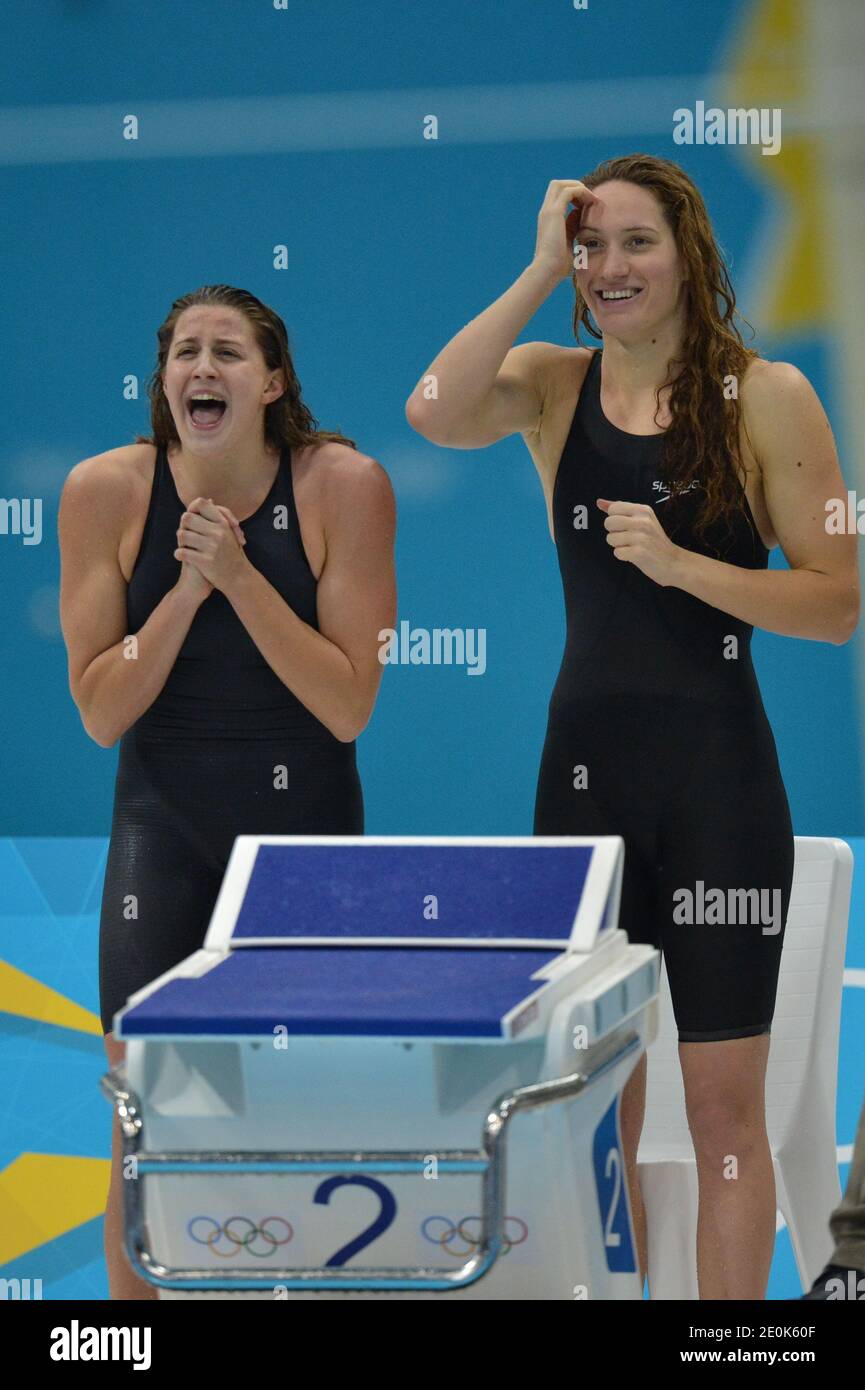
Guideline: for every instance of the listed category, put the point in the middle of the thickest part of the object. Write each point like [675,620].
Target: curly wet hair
[703,439]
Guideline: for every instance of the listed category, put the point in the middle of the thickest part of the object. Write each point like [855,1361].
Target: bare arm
[480,388]
[335,671]
[818,597]
[113,676]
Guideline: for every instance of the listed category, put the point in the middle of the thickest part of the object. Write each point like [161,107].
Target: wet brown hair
[287,421]
[702,441]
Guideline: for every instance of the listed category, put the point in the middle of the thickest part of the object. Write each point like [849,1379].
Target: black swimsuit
[658,701]
[225,749]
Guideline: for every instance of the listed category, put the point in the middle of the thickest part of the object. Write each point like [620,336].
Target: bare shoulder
[572,362]
[339,475]
[103,503]
[111,478]
[540,355]
[766,386]
[563,372]
[779,407]
[554,369]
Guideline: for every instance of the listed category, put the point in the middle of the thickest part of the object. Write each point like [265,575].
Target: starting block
[392,1070]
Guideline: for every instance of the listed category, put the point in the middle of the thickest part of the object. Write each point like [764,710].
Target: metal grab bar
[490,1162]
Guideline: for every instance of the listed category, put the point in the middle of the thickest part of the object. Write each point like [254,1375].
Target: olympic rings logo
[227,1239]
[447,1232]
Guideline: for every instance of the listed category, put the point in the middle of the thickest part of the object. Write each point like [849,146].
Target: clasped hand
[210,538]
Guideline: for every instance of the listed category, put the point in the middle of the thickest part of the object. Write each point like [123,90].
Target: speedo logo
[658,485]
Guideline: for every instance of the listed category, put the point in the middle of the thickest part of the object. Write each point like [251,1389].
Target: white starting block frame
[393,985]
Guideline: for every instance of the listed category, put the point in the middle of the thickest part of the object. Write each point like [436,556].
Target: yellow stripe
[42,1196]
[771,70]
[21,994]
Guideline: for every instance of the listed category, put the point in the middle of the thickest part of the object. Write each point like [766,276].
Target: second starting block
[392,1070]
